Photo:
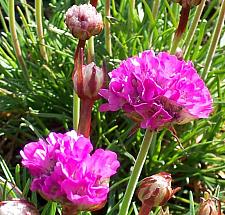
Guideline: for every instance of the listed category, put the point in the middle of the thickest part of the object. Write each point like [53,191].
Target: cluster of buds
[188,3]
[155,191]
[84,21]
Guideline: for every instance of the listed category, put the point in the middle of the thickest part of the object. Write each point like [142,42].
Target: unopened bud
[84,21]
[17,207]
[179,53]
[156,190]
[188,3]
[208,207]
[93,79]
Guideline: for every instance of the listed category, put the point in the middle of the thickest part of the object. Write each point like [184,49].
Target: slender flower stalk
[214,41]
[108,43]
[94,3]
[181,28]
[38,17]
[76,99]
[85,117]
[194,25]
[68,210]
[91,50]
[136,172]
[3,22]
[76,110]
[155,8]
[15,41]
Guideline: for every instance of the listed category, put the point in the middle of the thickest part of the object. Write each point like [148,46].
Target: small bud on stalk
[17,207]
[155,191]
[93,79]
[84,21]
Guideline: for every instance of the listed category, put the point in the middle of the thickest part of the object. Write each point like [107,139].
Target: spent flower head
[84,21]
[157,91]
[63,170]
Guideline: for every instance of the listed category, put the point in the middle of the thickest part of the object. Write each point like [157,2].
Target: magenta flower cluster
[157,91]
[64,170]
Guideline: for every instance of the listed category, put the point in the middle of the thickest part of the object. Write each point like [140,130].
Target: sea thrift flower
[157,91]
[84,21]
[155,191]
[63,170]
[17,207]
[92,82]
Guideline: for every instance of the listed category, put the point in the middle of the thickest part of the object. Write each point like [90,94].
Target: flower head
[84,21]
[155,191]
[157,91]
[64,170]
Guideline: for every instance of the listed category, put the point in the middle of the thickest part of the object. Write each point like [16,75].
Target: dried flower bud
[84,21]
[17,207]
[92,81]
[155,191]
[188,3]
[208,206]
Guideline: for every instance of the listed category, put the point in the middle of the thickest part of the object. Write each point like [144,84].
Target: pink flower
[64,170]
[157,91]
[84,21]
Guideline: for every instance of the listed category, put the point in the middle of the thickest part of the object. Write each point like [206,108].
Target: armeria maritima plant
[157,91]
[63,170]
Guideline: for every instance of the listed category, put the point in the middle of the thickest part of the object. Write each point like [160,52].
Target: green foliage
[38,99]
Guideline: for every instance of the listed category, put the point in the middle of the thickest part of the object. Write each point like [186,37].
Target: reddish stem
[80,45]
[69,210]
[85,117]
[183,21]
[94,3]
[145,209]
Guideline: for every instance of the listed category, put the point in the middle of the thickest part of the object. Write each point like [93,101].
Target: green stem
[194,25]
[136,172]
[215,39]
[3,22]
[176,41]
[108,43]
[91,50]
[76,110]
[15,41]
[38,17]
[155,9]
